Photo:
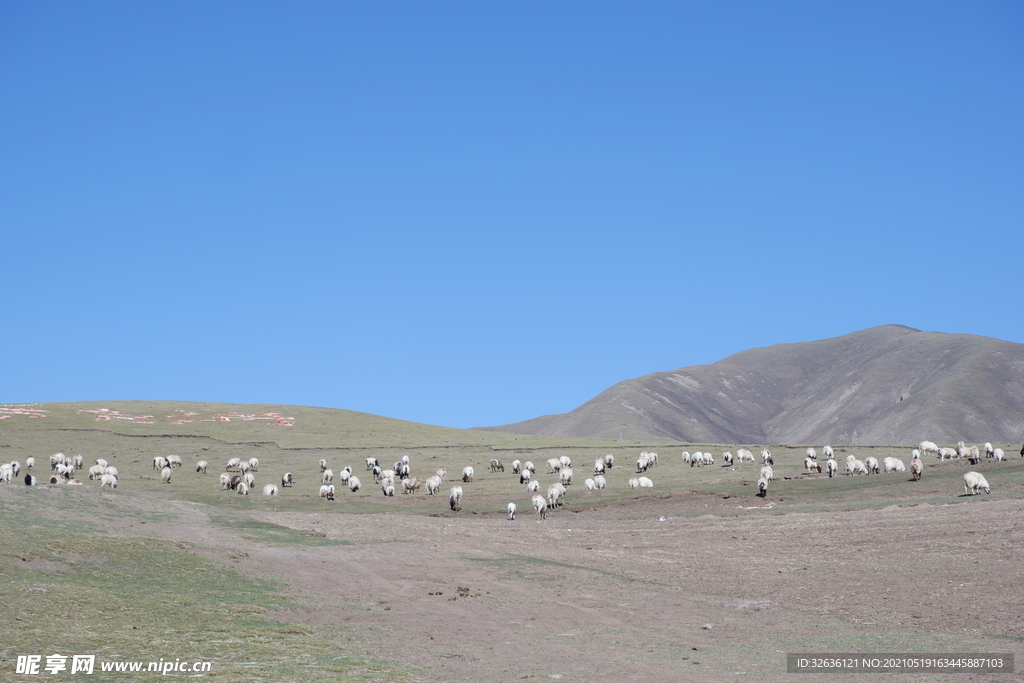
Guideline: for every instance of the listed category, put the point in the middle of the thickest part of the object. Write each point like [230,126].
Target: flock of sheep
[239,474]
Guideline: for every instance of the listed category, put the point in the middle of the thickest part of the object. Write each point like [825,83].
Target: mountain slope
[884,385]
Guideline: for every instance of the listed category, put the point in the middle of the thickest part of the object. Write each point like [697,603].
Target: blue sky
[471,213]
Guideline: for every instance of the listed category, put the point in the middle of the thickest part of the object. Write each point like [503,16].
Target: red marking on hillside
[276,418]
[104,414]
[7,413]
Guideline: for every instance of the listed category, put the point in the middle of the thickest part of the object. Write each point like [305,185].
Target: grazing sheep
[326,490]
[387,487]
[101,461]
[588,484]
[441,473]
[327,477]
[856,467]
[344,475]
[944,453]
[511,511]
[159,462]
[254,464]
[370,464]
[250,479]
[565,476]
[108,480]
[496,466]
[928,447]
[609,461]
[767,472]
[354,484]
[516,466]
[286,479]
[600,482]
[405,459]
[556,493]
[766,457]
[828,452]
[599,466]
[95,472]
[225,481]
[969,452]
[553,465]
[974,482]
[989,451]
[269,490]
[727,458]
[112,471]
[762,487]
[77,461]
[235,481]
[30,463]
[433,484]
[533,486]
[524,476]
[231,464]
[892,464]
[243,466]
[165,475]
[30,480]
[871,464]
[403,470]
[467,474]
[377,473]
[634,483]
[652,460]
[530,466]
[174,461]
[642,463]
[565,461]
[832,467]
[242,489]
[998,454]
[410,485]
[688,458]
[6,473]
[811,465]
[645,483]
[540,506]
[55,459]
[455,498]
[812,454]
[201,466]
[323,464]
[743,454]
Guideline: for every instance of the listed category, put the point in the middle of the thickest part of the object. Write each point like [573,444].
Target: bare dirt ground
[602,595]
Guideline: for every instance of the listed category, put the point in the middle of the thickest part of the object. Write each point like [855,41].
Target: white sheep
[928,447]
[944,453]
[556,493]
[433,484]
[516,466]
[828,452]
[387,487]
[811,465]
[998,454]
[599,466]
[55,459]
[524,476]
[974,482]
[174,461]
[687,458]
[327,477]
[496,465]
[225,481]
[766,457]
[588,484]
[159,462]
[989,451]
[455,498]
[269,490]
[467,474]
[99,461]
[832,467]
[767,472]
[540,506]
[633,483]
[77,461]
[969,452]
[323,464]
[609,461]
[243,466]
[565,461]
[326,490]
[112,471]
[108,480]
[30,480]
[762,487]
[242,489]
[254,464]
[165,475]
[565,476]
[441,473]
[411,484]
[553,465]
[892,464]
[812,454]
[95,472]
[600,482]
[344,475]
[642,463]
[232,463]
[250,479]
[743,454]
[856,467]
[405,459]
[511,511]
[371,462]
[871,464]
[533,486]
[645,483]
[528,465]
[6,473]
[652,460]
[354,484]
[201,466]
[727,458]
[30,463]
[286,479]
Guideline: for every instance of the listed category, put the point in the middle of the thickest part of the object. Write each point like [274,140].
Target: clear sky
[475,213]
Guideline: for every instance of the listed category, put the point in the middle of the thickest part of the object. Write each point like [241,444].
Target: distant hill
[885,385]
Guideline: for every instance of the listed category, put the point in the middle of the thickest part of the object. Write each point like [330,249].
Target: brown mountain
[885,385]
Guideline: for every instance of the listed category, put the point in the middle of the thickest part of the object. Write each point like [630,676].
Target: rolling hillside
[884,385]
